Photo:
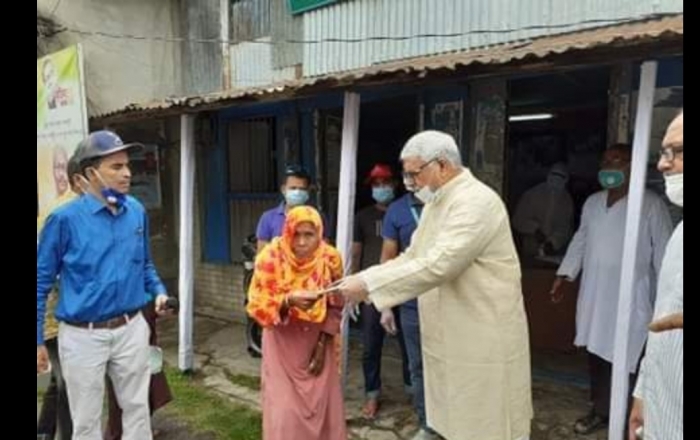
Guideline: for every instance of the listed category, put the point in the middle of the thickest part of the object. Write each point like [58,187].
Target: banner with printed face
[61,123]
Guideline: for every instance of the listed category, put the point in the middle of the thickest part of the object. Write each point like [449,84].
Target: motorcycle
[253,331]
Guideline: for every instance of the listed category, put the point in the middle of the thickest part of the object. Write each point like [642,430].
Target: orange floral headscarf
[278,272]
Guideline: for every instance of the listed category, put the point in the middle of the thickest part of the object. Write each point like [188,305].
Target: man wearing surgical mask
[367,252]
[658,396]
[595,252]
[296,191]
[544,217]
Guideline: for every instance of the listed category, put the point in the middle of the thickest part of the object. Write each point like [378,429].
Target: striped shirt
[660,383]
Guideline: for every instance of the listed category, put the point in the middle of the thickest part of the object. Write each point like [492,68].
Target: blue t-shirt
[400,221]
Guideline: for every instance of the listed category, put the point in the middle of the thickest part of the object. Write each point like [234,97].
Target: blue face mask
[610,179]
[296,197]
[113,197]
[383,194]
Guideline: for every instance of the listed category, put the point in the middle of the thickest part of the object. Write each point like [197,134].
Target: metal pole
[186,272]
[346,202]
[640,158]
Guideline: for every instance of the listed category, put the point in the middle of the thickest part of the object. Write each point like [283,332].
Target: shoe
[589,424]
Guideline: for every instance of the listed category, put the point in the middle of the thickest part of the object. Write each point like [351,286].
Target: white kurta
[552,212]
[597,250]
[660,383]
[476,356]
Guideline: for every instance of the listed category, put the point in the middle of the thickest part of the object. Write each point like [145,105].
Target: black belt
[111,323]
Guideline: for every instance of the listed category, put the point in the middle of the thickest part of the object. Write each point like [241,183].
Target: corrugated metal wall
[250,19]
[261,53]
[286,27]
[203,66]
[512,19]
[252,65]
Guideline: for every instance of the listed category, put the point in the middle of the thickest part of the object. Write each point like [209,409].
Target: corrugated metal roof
[624,34]
[455,25]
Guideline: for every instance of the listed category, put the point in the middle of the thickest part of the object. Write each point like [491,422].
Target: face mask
[296,197]
[674,188]
[556,183]
[425,194]
[383,194]
[111,195]
[610,179]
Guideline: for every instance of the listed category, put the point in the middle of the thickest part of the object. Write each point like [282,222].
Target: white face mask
[674,188]
[425,194]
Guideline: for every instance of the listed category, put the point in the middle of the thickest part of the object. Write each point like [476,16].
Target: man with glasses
[595,252]
[658,403]
[463,268]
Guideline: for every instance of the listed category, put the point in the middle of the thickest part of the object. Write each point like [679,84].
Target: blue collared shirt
[103,262]
[271,224]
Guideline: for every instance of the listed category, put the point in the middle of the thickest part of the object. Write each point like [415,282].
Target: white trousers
[122,353]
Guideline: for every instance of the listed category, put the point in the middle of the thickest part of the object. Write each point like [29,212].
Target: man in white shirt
[596,252]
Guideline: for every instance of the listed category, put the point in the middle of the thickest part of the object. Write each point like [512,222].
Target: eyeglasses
[411,175]
[669,154]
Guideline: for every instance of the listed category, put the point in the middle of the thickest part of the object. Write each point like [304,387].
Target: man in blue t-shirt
[400,222]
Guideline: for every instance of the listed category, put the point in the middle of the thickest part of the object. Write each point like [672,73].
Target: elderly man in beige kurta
[463,267]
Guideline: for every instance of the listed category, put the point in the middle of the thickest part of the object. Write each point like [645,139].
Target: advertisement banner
[61,123]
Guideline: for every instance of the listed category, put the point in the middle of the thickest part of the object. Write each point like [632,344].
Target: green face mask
[611,178]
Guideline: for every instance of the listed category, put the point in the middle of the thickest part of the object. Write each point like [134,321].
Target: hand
[161,301]
[636,418]
[556,294]
[388,322]
[351,310]
[318,357]
[670,322]
[42,359]
[354,289]
[302,300]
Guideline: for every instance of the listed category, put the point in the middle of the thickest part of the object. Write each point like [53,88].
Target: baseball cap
[104,143]
[379,171]
[297,171]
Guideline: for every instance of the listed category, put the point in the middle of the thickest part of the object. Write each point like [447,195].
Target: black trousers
[373,341]
[601,385]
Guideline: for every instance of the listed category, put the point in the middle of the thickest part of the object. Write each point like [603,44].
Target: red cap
[379,171]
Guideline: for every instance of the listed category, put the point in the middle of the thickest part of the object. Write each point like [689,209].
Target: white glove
[388,322]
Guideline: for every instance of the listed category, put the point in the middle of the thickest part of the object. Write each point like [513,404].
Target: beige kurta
[476,356]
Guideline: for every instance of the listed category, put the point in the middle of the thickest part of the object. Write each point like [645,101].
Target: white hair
[432,144]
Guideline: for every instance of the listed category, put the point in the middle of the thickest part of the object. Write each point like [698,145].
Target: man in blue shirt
[400,221]
[295,189]
[98,247]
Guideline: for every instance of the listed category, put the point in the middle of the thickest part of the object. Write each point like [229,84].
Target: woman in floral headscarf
[301,387]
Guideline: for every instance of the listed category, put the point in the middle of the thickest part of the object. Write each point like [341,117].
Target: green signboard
[299,6]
